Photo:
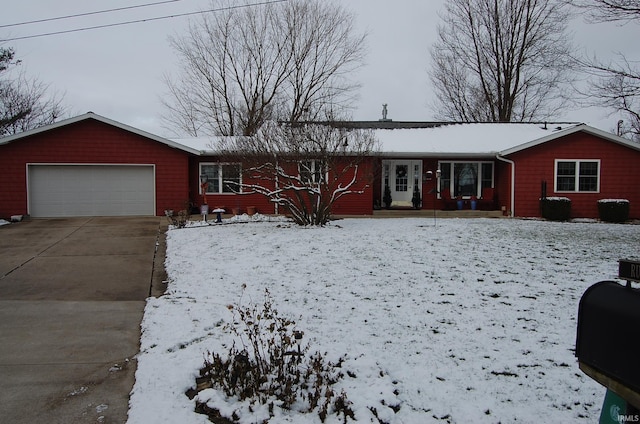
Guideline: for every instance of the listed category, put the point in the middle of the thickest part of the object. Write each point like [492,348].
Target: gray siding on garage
[91,190]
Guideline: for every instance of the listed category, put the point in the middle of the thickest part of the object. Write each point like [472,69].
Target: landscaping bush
[271,368]
[556,208]
[613,210]
[179,221]
[416,199]
[386,198]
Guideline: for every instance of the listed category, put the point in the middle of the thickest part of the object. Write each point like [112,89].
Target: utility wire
[86,14]
[137,21]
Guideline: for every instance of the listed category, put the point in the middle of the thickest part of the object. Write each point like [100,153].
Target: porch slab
[430,213]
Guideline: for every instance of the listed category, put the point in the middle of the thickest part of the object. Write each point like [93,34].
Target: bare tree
[614,84]
[303,168]
[501,60]
[25,103]
[244,66]
[233,65]
[325,51]
[609,10]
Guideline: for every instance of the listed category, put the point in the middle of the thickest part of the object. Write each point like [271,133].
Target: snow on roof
[204,144]
[477,139]
[463,139]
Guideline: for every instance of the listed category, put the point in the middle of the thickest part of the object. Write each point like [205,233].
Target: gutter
[513,182]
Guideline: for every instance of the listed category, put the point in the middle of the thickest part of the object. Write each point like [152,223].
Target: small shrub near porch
[613,210]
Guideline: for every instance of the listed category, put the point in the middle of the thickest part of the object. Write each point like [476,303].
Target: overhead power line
[77,15]
[137,21]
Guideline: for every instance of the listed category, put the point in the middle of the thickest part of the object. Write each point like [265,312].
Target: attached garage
[92,166]
[91,190]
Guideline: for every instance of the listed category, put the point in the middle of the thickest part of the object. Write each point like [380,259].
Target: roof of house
[469,139]
[91,115]
[430,138]
[203,144]
[474,139]
[398,138]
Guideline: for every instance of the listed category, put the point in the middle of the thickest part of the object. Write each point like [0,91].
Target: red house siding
[429,190]
[352,204]
[358,204]
[226,201]
[619,174]
[502,179]
[91,142]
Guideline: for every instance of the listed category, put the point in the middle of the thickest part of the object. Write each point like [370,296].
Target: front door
[402,177]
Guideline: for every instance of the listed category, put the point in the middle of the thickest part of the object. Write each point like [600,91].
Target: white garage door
[91,190]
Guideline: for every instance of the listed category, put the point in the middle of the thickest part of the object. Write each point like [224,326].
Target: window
[222,177]
[402,177]
[386,174]
[312,171]
[487,175]
[467,178]
[445,176]
[577,176]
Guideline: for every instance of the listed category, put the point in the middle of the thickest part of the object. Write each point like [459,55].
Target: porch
[430,213]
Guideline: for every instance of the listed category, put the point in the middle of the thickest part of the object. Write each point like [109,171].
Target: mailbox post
[608,342]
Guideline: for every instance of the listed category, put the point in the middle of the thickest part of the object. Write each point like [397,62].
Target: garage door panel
[91,190]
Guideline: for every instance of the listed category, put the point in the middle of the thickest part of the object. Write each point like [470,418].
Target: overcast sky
[117,72]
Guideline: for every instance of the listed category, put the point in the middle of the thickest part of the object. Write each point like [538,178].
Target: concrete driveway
[72,295]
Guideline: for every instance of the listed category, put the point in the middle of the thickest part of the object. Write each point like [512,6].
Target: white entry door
[402,177]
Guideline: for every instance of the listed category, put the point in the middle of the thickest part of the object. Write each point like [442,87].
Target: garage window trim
[222,177]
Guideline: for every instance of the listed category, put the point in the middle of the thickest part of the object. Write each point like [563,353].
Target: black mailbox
[608,337]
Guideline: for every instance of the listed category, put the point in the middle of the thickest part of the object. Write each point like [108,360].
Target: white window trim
[452,176]
[576,176]
[313,170]
[220,176]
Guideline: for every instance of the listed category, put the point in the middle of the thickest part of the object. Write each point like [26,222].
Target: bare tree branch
[25,103]
[305,168]
[609,10]
[500,61]
[287,61]
[614,84]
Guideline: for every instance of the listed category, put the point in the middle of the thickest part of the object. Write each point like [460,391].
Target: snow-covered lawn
[463,321]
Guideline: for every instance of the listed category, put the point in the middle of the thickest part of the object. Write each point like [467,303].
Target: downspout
[513,182]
